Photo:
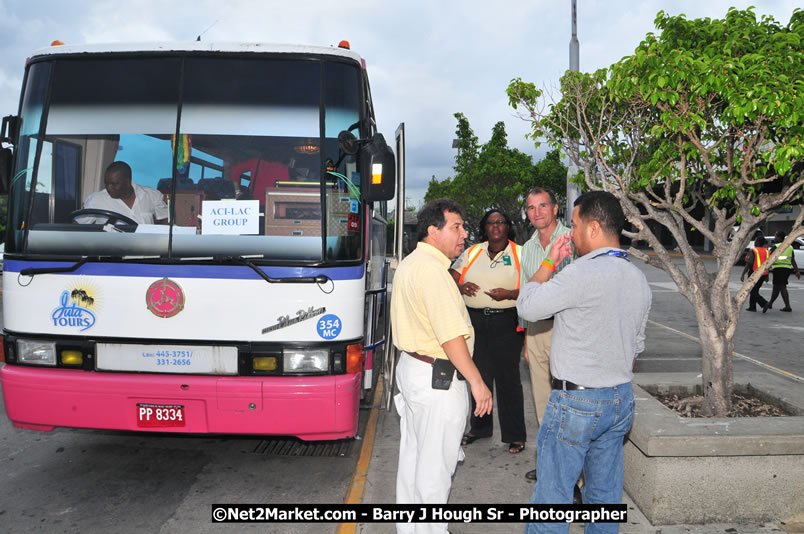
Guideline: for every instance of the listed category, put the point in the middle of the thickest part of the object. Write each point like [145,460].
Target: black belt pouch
[443,371]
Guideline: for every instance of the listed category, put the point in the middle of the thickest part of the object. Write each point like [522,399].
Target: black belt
[565,384]
[492,311]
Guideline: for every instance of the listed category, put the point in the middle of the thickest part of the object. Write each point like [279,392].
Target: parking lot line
[736,354]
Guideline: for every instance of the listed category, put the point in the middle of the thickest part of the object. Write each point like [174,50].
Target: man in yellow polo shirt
[430,323]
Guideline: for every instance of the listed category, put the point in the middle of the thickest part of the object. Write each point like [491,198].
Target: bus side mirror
[10,129]
[8,134]
[377,170]
[5,169]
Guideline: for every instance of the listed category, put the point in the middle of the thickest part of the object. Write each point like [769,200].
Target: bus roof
[194,46]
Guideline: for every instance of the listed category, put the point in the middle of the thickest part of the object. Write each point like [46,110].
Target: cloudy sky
[427,60]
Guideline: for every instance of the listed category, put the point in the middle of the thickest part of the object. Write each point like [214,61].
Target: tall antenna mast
[574,46]
[573,191]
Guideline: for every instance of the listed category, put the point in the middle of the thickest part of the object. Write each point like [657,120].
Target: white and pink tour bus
[253,302]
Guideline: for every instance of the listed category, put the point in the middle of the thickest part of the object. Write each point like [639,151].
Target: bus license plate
[160,415]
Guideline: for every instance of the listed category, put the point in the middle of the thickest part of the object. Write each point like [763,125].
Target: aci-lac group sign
[231,217]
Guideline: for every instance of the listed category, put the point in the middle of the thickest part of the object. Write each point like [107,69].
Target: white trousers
[431,427]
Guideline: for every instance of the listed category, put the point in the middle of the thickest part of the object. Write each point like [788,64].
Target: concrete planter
[684,470]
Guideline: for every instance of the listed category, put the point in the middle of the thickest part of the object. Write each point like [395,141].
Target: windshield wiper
[318,279]
[31,271]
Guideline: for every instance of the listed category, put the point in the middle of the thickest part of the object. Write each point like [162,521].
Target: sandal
[516,447]
[470,438]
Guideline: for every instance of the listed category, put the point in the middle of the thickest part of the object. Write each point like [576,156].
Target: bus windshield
[188,156]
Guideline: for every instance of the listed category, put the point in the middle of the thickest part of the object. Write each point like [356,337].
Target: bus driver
[142,204]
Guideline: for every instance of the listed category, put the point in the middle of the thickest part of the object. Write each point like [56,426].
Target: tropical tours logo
[77,309]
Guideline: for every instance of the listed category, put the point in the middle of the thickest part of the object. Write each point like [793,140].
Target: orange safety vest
[474,252]
[760,256]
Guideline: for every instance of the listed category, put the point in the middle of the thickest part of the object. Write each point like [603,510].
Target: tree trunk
[716,362]
[717,317]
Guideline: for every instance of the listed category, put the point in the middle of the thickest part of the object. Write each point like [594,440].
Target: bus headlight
[36,352]
[305,360]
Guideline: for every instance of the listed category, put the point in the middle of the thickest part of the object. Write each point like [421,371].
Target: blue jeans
[582,430]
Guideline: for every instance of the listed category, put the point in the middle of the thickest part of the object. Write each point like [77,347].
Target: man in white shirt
[142,204]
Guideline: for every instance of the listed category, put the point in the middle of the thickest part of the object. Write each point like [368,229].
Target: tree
[700,128]
[495,176]
[552,174]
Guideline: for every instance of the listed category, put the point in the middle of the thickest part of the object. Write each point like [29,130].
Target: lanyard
[616,253]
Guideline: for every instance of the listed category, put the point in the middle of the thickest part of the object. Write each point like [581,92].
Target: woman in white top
[487,275]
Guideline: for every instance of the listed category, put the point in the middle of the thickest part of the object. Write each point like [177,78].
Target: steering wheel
[111,216]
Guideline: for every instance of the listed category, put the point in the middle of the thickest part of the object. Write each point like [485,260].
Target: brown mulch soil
[742,406]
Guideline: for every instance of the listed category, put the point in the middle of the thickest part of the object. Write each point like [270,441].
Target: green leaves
[520,92]
[705,112]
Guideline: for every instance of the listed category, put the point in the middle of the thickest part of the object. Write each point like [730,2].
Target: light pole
[573,191]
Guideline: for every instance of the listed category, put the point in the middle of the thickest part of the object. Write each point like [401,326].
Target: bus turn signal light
[376,173]
[72,357]
[265,363]
[354,358]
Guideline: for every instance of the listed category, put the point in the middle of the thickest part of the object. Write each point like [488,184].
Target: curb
[354,495]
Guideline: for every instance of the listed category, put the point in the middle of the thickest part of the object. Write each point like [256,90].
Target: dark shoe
[577,498]
[470,438]
[765,308]
[531,475]
[516,447]
[751,309]
[786,309]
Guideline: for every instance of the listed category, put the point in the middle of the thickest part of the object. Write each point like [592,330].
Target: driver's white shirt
[149,206]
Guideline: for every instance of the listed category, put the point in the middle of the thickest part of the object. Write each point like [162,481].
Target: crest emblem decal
[165,298]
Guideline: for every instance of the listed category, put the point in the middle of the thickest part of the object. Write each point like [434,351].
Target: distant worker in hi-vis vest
[754,260]
[781,269]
